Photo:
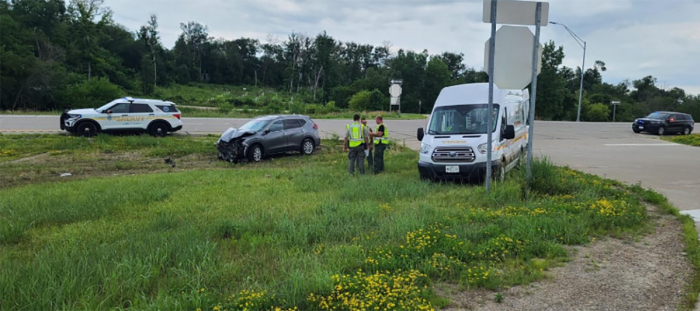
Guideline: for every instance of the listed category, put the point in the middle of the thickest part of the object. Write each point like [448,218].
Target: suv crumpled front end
[232,145]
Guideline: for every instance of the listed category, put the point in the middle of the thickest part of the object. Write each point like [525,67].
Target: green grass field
[690,140]
[290,232]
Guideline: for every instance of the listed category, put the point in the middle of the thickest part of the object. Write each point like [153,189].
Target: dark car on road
[268,135]
[664,122]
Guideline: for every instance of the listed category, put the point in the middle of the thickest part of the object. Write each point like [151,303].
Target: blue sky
[635,38]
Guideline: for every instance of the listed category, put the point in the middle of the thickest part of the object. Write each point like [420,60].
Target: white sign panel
[516,12]
[513,57]
[395,90]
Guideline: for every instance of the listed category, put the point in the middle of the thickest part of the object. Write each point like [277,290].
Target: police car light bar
[129,99]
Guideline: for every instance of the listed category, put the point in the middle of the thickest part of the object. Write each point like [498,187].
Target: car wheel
[87,129]
[158,129]
[255,153]
[636,131]
[686,131]
[661,131]
[307,147]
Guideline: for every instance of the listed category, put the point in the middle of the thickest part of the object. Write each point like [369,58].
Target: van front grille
[454,155]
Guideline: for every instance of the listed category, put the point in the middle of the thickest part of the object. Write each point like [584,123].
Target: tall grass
[283,229]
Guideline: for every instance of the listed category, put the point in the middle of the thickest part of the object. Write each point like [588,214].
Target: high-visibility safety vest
[357,133]
[384,139]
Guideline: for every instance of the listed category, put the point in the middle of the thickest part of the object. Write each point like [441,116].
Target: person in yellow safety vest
[356,141]
[381,142]
[368,153]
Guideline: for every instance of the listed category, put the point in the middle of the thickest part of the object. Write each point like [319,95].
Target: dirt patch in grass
[48,168]
[651,273]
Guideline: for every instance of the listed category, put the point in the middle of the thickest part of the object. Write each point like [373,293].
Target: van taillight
[315,126]
[177,115]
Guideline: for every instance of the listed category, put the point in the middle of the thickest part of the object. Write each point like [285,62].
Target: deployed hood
[82,111]
[233,133]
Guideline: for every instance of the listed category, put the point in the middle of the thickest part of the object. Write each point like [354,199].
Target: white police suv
[156,117]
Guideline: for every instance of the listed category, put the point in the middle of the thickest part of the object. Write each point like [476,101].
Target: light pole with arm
[583,45]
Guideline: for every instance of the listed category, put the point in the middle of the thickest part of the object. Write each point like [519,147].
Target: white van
[454,144]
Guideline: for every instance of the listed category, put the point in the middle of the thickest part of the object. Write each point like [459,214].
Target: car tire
[661,131]
[307,147]
[158,129]
[636,131]
[686,131]
[86,129]
[255,153]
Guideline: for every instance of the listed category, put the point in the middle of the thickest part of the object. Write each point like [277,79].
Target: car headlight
[483,148]
[425,148]
[73,116]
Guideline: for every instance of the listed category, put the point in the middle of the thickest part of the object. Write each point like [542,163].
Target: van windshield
[461,119]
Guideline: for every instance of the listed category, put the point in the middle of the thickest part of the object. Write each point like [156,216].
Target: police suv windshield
[254,125]
[461,119]
[108,105]
[657,116]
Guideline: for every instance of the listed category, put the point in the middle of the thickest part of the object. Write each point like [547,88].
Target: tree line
[56,54]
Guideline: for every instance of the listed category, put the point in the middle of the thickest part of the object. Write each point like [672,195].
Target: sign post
[516,61]
[531,119]
[614,103]
[395,91]
[489,113]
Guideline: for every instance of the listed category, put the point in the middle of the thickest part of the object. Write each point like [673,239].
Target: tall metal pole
[580,91]
[614,110]
[533,86]
[489,114]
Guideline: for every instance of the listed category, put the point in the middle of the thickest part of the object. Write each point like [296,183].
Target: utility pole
[614,103]
[583,65]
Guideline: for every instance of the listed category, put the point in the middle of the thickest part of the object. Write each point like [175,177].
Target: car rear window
[140,108]
[291,124]
[167,108]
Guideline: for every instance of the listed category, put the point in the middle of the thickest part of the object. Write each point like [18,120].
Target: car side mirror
[107,111]
[267,131]
[509,133]
[420,134]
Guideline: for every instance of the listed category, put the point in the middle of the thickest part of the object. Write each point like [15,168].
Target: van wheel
[501,173]
[522,162]
[87,129]
[158,129]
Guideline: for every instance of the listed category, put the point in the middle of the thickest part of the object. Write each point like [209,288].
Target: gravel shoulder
[650,272]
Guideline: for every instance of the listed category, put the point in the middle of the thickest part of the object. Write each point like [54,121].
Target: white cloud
[634,37]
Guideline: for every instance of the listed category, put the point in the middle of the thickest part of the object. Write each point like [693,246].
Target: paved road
[607,149]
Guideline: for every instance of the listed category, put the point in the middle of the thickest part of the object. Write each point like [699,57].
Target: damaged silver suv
[269,135]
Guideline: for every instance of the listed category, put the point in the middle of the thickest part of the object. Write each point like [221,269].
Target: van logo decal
[454,142]
[453,154]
